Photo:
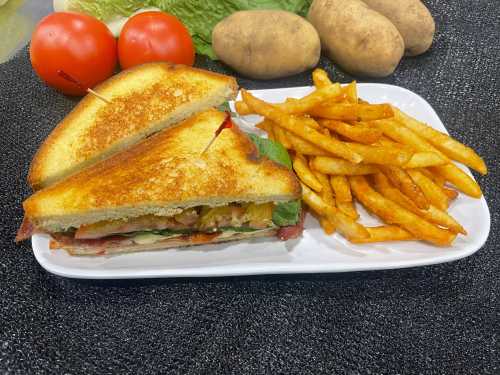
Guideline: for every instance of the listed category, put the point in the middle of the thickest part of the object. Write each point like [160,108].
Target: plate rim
[268,269]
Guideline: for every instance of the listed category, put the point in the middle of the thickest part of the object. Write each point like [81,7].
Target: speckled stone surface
[442,319]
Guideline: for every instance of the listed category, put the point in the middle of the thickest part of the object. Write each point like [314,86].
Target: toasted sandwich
[166,192]
[140,102]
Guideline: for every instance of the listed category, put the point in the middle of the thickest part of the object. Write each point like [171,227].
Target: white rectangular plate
[313,252]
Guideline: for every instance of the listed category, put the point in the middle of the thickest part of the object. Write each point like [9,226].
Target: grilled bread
[164,175]
[143,100]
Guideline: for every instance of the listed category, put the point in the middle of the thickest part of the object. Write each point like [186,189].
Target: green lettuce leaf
[200,17]
[273,150]
[287,213]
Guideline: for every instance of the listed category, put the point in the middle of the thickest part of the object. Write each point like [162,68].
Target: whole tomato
[79,45]
[154,36]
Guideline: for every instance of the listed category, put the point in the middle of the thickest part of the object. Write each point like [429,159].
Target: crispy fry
[353,112]
[461,180]
[432,192]
[344,224]
[267,126]
[450,172]
[327,225]
[349,209]
[403,182]
[302,105]
[317,97]
[393,213]
[296,126]
[340,185]
[385,233]
[281,137]
[337,166]
[398,132]
[351,92]
[361,134]
[320,78]
[327,191]
[381,154]
[304,147]
[424,159]
[449,146]
[433,214]
[450,193]
[242,109]
[305,174]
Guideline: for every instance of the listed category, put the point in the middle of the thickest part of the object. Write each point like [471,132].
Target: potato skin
[266,44]
[362,41]
[412,19]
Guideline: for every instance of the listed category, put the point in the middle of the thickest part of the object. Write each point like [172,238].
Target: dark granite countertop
[442,319]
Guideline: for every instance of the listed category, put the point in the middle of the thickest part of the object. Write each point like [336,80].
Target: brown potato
[360,40]
[266,44]
[412,19]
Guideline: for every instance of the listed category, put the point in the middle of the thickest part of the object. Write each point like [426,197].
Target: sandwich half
[142,101]
[165,192]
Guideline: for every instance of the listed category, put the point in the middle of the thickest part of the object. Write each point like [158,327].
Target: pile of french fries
[397,167]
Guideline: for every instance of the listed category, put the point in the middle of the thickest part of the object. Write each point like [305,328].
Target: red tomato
[77,44]
[154,36]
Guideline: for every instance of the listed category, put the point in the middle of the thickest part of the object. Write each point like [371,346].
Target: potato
[360,40]
[265,44]
[412,19]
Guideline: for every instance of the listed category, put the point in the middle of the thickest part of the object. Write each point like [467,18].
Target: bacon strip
[26,230]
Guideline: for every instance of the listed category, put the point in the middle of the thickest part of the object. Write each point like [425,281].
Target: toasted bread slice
[143,100]
[164,174]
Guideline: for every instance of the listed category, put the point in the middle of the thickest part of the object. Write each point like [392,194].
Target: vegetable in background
[154,36]
[76,44]
[199,17]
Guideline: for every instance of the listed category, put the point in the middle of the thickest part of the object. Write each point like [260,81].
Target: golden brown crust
[137,108]
[168,170]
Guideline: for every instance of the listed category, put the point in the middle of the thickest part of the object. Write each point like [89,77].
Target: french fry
[335,166]
[403,182]
[304,147]
[432,192]
[446,144]
[302,105]
[361,134]
[281,137]
[327,225]
[267,126]
[398,132]
[314,99]
[393,213]
[461,180]
[320,78]
[349,209]
[305,174]
[450,193]
[344,224]
[327,191]
[450,172]
[242,109]
[424,159]
[433,214]
[385,233]
[381,154]
[340,186]
[353,112]
[295,126]
[351,92]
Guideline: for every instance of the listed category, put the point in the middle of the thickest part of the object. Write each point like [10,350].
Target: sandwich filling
[285,219]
